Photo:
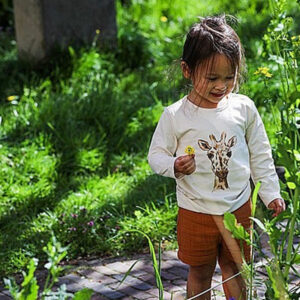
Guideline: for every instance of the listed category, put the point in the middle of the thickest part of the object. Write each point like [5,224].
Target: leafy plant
[29,289]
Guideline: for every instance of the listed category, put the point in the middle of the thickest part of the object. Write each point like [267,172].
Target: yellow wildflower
[98,31]
[12,98]
[189,150]
[164,19]
[263,71]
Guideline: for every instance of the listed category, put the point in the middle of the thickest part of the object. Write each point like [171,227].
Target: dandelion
[189,150]
[97,31]
[296,40]
[11,98]
[164,19]
[263,71]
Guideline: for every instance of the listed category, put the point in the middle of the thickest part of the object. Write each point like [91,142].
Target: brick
[103,290]
[167,255]
[138,273]
[96,276]
[105,270]
[166,295]
[93,263]
[97,297]
[5,295]
[149,278]
[170,287]
[179,296]
[74,287]
[145,266]
[179,282]
[169,276]
[134,293]
[183,273]
[137,283]
[174,263]
[119,267]
[69,278]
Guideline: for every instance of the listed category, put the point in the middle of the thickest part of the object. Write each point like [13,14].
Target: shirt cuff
[270,198]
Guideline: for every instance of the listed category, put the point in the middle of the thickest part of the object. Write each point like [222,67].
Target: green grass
[73,143]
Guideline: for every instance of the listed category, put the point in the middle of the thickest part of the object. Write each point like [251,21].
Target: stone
[42,25]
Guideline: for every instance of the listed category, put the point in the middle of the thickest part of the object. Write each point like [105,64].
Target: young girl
[227,144]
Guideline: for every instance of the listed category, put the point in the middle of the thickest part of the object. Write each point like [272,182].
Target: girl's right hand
[185,164]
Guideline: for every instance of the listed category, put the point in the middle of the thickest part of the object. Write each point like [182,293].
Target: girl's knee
[229,267]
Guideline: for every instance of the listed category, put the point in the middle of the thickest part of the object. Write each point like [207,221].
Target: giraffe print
[219,153]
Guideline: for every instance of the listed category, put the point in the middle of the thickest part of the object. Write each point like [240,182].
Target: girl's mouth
[218,95]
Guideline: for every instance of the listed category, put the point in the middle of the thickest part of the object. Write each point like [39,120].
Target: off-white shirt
[230,145]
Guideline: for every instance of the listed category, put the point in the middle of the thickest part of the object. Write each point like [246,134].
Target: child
[227,136]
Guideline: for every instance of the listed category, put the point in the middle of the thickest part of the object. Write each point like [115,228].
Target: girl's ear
[185,70]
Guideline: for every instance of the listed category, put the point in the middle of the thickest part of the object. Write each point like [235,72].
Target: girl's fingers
[277,206]
[186,166]
[191,169]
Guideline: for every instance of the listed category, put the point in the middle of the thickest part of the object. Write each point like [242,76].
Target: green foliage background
[74,133]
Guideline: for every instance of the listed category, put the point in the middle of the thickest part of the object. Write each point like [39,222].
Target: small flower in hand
[189,150]
[278,206]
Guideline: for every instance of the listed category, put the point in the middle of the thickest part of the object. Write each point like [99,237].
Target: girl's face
[213,80]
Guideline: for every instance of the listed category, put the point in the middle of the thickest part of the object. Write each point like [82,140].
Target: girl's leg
[235,287]
[199,280]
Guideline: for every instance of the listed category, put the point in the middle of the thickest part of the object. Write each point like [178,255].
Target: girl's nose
[220,86]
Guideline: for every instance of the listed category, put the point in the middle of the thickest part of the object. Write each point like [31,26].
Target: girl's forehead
[218,64]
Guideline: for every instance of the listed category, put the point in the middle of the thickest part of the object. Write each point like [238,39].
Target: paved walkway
[104,277]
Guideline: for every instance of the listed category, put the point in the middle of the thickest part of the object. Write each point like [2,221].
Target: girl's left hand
[278,205]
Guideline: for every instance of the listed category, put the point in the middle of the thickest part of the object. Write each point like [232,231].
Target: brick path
[104,276]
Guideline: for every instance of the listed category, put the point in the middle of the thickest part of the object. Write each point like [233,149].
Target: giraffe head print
[219,153]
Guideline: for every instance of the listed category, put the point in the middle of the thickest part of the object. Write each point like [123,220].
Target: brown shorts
[202,238]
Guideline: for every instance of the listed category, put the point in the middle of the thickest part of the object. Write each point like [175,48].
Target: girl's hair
[209,37]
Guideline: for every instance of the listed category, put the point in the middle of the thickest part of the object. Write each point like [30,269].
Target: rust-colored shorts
[202,238]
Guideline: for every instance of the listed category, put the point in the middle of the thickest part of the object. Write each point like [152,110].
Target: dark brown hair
[209,37]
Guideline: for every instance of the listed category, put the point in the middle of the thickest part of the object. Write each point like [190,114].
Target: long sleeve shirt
[230,145]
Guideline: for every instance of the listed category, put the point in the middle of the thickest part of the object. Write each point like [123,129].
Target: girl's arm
[163,147]
[261,161]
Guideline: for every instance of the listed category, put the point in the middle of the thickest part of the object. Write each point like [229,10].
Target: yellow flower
[263,71]
[189,150]
[164,19]
[98,31]
[12,98]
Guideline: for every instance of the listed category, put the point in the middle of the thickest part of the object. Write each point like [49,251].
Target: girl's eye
[230,78]
[212,78]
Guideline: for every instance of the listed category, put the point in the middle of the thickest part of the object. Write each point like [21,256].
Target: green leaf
[291,185]
[254,198]
[274,286]
[297,154]
[31,269]
[84,294]
[297,259]
[259,224]
[30,287]
[237,230]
